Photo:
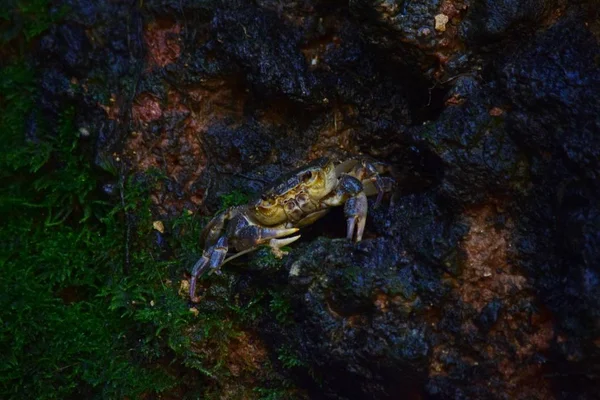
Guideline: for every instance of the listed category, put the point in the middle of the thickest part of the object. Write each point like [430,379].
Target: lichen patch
[163,43]
[501,325]
[246,354]
[336,135]
[488,273]
[167,136]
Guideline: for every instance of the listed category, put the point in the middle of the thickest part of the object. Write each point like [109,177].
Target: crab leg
[250,237]
[275,245]
[196,271]
[218,255]
[211,258]
[369,173]
[380,185]
[356,215]
[350,192]
[214,229]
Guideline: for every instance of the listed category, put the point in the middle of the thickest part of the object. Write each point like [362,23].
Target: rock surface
[482,280]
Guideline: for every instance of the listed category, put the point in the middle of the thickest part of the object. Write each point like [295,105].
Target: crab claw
[271,233]
[252,236]
[356,215]
[277,244]
[211,258]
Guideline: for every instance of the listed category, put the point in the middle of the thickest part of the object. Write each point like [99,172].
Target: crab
[297,199]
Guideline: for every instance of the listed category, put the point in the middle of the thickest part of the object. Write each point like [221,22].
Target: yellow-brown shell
[314,180]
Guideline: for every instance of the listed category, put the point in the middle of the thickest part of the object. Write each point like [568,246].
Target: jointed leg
[211,258]
[350,193]
[378,185]
[246,239]
[368,172]
[356,215]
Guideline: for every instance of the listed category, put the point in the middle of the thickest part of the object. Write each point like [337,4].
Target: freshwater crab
[295,200]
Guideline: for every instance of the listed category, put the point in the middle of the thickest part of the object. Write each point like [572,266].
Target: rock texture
[481,280]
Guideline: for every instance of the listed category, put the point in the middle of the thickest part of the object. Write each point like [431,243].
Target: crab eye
[266,203]
[263,203]
[309,177]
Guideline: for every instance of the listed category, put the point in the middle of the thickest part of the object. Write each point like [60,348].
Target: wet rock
[489,315]
[353,75]
[421,35]
[554,120]
[362,312]
[426,229]
[245,147]
[553,84]
[479,158]
[264,47]
[353,308]
[71,40]
[490,325]
[562,128]
[489,19]
[481,281]
[90,62]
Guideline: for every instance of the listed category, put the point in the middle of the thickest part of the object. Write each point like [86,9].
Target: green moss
[29,18]
[280,308]
[76,318]
[91,303]
[263,259]
[288,358]
[87,310]
[274,393]
[233,198]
